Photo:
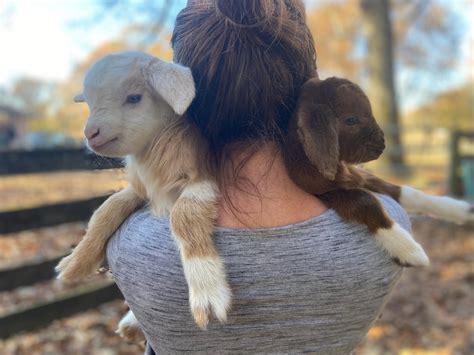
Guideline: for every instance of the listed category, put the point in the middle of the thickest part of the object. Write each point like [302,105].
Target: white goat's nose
[91,131]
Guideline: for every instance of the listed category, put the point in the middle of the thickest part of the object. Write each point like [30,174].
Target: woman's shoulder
[143,225]
[325,236]
[140,233]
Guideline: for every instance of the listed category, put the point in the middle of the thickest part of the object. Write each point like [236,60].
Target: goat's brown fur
[321,147]
[332,128]
[359,206]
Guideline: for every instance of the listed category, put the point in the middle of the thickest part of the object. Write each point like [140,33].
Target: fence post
[454,160]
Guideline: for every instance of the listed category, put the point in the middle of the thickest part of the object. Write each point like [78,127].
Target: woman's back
[315,286]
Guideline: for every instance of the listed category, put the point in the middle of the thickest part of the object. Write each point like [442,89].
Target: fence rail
[28,273]
[43,313]
[87,297]
[48,215]
[49,160]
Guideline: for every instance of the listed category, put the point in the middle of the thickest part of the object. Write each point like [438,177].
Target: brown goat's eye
[351,121]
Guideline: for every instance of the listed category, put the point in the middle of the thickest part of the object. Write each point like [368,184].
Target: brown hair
[249,59]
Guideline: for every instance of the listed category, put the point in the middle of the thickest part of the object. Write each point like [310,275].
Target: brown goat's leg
[193,219]
[89,254]
[376,184]
[361,206]
[350,177]
[358,206]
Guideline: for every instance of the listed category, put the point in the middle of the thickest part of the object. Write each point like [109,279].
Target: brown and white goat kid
[334,127]
[136,105]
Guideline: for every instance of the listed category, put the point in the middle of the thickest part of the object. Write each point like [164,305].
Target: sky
[36,27]
[48,28]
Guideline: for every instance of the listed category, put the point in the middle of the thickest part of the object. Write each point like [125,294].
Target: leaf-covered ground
[31,190]
[430,312]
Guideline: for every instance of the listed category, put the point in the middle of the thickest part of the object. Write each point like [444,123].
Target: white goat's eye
[134,99]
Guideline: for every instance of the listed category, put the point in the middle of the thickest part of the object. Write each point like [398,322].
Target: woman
[302,279]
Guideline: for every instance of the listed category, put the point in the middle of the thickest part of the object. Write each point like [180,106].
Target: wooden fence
[42,313]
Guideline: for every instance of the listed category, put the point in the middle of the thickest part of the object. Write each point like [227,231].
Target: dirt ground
[431,311]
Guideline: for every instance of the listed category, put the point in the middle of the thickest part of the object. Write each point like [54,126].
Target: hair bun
[247,13]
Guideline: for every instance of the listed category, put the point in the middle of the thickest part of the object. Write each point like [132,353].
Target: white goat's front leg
[442,207]
[89,254]
[129,328]
[193,219]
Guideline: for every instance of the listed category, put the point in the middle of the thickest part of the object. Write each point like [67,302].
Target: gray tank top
[314,286]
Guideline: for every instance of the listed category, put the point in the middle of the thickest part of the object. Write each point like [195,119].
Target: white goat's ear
[79,98]
[173,82]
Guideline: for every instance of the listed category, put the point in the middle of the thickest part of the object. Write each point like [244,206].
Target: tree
[32,94]
[425,45]
[336,31]
[381,87]
[452,110]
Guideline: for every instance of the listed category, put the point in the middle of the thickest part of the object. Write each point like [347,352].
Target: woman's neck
[266,197]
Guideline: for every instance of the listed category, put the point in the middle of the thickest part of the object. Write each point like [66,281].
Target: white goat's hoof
[208,289]
[401,246]
[129,329]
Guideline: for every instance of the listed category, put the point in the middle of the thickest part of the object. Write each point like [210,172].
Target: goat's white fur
[113,78]
[442,207]
[202,191]
[206,277]
[163,153]
[208,290]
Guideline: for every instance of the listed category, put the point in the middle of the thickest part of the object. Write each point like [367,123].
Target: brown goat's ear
[317,131]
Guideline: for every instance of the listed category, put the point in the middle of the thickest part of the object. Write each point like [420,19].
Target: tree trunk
[381,86]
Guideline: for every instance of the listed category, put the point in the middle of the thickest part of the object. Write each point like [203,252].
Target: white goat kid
[136,105]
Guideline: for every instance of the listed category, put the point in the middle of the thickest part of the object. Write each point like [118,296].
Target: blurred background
[415,59]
